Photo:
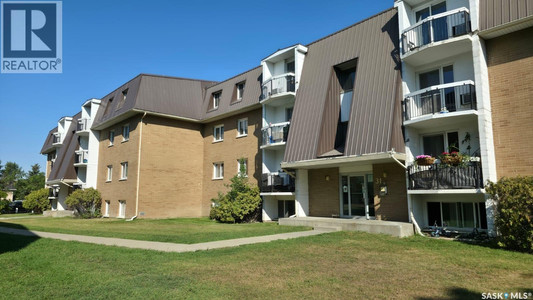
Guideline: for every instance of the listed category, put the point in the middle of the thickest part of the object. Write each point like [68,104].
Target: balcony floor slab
[446,191]
[442,119]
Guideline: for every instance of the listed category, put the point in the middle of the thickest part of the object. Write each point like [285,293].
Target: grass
[16,215]
[341,265]
[187,231]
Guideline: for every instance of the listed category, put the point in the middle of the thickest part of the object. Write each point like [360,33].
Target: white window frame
[111,140]
[218,136]
[216,99]
[245,167]
[121,209]
[218,170]
[124,138]
[239,92]
[124,170]
[106,208]
[109,173]
[240,127]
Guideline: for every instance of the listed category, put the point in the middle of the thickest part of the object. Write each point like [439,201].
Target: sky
[107,43]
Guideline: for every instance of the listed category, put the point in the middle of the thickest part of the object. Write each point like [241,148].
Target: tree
[37,201]
[86,203]
[242,203]
[34,181]
[514,214]
[10,174]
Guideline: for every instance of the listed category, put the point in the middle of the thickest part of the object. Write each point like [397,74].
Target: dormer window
[122,99]
[216,99]
[240,90]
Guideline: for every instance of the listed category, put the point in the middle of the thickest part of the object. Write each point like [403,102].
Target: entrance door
[357,196]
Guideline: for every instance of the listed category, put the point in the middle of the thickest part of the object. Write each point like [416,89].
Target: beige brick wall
[510,64]
[121,151]
[393,206]
[324,195]
[229,151]
[171,169]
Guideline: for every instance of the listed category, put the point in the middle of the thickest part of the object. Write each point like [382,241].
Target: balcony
[445,177]
[81,158]
[438,101]
[278,86]
[82,127]
[275,135]
[278,182]
[52,193]
[56,139]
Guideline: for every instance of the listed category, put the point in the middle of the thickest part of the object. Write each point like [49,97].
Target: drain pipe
[139,168]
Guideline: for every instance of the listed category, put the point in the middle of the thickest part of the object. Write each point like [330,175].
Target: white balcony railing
[284,83]
[436,28]
[82,157]
[56,138]
[275,133]
[83,125]
[443,98]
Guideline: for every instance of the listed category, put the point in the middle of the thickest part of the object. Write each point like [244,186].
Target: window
[121,208]
[218,133]
[218,170]
[346,78]
[108,106]
[288,114]
[242,127]
[106,208]
[109,173]
[435,144]
[123,99]
[290,67]
[111,137]
[216,99]
[457,214]
[242,167]
[125,132]
[124,170]
[240,90]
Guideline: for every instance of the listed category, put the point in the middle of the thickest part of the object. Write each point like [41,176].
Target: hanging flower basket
[425,160]
[452,159]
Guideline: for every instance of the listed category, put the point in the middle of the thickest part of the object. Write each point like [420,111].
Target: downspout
[410,208]
[139,167]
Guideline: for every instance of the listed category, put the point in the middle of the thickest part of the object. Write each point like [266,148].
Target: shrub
[85,203]
[514,214]
[37,201]
[4,204]
[242,203]
[3,195]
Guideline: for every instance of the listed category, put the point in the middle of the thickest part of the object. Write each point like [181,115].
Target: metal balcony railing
[276,182]
[442,176]
[82,125]
[442,98]
[436,28]
[52,193]
[82,157]
[56,138]
[275,133]
[278,85]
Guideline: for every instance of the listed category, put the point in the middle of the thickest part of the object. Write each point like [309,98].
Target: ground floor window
[457,214]
[106,208]
[286,208]
[121,208]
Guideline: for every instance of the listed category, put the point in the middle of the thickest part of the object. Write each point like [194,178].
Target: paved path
[160,246]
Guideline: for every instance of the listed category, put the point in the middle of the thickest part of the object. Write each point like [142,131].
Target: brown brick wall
[171,169]
[229,151]
[323,194]
[510,64]
[393,206]
[117,189]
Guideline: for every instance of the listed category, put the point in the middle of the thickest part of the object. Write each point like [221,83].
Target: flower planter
[425,161]
[451,160]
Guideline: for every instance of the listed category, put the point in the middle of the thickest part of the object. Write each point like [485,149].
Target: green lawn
[340,265]
[188,231]
[16,215]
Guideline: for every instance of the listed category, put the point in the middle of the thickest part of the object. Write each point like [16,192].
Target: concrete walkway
[160,246]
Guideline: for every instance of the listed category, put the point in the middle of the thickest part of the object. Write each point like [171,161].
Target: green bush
[242,203]
[85,203]
[4,204]
[514,214]
[37,201]
[3,195]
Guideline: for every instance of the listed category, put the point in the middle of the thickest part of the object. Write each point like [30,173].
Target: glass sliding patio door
[357,195]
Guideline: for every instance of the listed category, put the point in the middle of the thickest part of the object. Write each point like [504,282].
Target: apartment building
[458,95]
[328,129]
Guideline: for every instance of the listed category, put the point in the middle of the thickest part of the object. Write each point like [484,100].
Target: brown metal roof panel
[64,164]
[494,13]
[374,42]
[251,95]
[47,146]
[170,96]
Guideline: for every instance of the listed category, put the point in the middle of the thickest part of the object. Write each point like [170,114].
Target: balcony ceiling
[438,51]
